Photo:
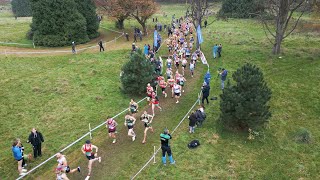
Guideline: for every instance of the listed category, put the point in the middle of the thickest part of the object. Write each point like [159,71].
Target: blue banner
[199,34]
[155,38]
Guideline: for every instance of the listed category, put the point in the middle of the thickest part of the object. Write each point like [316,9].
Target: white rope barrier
[76,141]
[156,152]
[11,43]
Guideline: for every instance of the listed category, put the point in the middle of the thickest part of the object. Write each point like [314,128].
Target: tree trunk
[120,24]
[144,28]
[280,25]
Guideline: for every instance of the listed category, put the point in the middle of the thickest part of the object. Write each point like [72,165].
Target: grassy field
[61,95]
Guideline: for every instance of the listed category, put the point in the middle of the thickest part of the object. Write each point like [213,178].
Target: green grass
[58,95]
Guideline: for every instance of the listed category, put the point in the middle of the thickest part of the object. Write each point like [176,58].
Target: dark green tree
[241,8]
[88,9]
[245,104]
[21,8]
[137,73]
[57,23]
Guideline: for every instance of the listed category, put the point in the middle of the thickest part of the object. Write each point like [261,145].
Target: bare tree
[283,11]
[197,10]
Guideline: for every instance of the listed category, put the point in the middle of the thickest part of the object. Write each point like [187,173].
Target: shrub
[137,73]
[240,8]
[303,135]
[88,10]
[244,105]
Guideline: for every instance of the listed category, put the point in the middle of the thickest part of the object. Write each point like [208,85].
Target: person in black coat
[205,92]
[192,122]
[36,138]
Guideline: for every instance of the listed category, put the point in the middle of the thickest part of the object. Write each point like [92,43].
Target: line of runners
[180,43]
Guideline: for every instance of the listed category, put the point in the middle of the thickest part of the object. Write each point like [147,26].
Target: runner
[62,168]
[177,91]
[155,103]
[191,68]
[171,83]
[177,61]
[129,122]
[87,149]
[169,62]
[184,65]
[182,81]
[149,91]
[133,107]
[169,73]
[147,119]
[111,124]
[163,85]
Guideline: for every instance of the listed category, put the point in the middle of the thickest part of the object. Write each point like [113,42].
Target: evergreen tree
[244,105]
[137,73]
[21,8]
[88,10]
[57,23]
[240,8]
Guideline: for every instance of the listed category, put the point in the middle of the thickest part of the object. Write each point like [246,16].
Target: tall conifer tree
[137,73]
[245,104]
[57,23]
[88,9]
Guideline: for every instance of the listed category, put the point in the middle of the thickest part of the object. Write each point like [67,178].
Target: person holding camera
[165,147]
[18,155]
[223,75]
[36,138]
[205,92]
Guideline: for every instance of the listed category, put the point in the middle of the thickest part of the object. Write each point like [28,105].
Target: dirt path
[90,47]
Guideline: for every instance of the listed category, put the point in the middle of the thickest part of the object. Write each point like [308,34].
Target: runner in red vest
[163,85]
[149,91]
[87,149]
[111,124]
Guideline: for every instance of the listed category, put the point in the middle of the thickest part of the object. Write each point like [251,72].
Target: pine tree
[88,9]
[241,8]
[21,8]
[245,104]
[137,73]
[57,23]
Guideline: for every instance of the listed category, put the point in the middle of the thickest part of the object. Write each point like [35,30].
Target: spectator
[215,50]
[74,47]
[145,50]
[205,92]
[127,36]
[36,138]
[101,45]
[205,23]
[165,147]
[201,116]
[17,154]
[223,75]
[219,50]
[192,122]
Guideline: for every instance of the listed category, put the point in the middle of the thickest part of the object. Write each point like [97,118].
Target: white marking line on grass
[76,141]
[15,43]
[153,156]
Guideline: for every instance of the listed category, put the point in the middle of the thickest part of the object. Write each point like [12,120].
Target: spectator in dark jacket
[205,92]
[192,122]
[223,74]
[219,50]
[36,138]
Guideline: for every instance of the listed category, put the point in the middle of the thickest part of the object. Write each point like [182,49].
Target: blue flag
[155,38]
[199,34]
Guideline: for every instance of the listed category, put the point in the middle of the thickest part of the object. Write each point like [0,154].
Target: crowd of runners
[169,81]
